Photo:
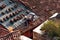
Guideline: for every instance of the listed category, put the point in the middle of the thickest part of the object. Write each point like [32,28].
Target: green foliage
[51,29]
[58,31]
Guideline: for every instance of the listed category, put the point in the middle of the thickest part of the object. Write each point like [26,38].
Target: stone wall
[37,36]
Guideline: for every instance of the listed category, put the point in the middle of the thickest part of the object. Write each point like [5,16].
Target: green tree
[50,28]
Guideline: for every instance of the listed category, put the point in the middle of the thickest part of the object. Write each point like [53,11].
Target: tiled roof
[43,6]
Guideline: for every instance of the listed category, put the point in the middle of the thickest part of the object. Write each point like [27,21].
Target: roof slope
[42,7]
